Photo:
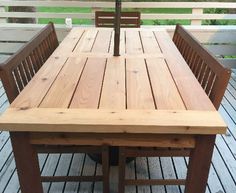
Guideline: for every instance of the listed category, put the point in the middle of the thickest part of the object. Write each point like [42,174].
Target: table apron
[130,140]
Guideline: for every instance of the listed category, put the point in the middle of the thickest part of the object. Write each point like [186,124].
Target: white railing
[221,40]
[196,16]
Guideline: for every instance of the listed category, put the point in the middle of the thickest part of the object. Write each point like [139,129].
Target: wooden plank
[89,169]
[144,140]
[7,172]
[141,170]
[130,173]
[222,171]
[43,79]
[91,15]
[68,45]
[50,168]
[88,91]
[110,55]
[46,15]
[180,169]
[124,5]
[22,35]
[185,16]
[139,94]
[226,36]
[150,45]
[113,91]
[75,170]
[4,57]
[197,21]
[100,120]
[169,173]
[155,172]
[9,47]
[166,97]
[133,42]
[102,42]
[229,62]
[61,170]
[222,49]
[87,43]
[182,74]
[62,90]
[122,43]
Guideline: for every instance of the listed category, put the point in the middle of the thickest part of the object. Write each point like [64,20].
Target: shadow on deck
[222,177]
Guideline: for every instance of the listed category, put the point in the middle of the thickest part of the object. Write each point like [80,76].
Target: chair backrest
[209,72]
[128,19]
[19,69]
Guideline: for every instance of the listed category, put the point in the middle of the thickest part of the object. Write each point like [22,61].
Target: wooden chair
[214,79]
[128,19]
[15,74]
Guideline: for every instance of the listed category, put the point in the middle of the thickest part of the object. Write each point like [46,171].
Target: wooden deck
[222,176]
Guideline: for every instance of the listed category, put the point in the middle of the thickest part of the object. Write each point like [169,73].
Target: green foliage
[214,21]
[144,11]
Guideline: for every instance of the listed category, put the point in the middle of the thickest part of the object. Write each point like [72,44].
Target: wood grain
[112,121]
[181,73]
[139,94]
[166,97]
[32,95]
[113,90]
[88,91]
[62,90]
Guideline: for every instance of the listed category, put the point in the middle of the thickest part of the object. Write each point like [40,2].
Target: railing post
[2,20]
[196,11]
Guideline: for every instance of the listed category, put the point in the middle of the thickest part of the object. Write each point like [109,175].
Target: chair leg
[122,159]
[105,169]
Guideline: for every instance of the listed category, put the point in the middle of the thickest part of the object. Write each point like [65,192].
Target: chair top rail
[202,51]
[124,4]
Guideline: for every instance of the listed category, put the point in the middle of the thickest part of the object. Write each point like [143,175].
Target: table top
[83,88]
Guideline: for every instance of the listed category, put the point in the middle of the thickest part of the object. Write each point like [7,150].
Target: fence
[221,40]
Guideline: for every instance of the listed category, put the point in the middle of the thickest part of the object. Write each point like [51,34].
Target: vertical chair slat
[34,62]
[27,70]
[210,83]
[22,74]
[17,78]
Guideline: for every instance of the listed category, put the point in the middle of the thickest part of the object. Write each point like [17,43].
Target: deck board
[222,177]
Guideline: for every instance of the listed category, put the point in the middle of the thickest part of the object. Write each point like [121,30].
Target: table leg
[26,163]
[199,164]
[122,159]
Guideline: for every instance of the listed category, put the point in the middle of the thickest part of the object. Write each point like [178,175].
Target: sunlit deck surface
[222,177]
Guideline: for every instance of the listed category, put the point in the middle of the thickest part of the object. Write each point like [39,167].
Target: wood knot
[24,108]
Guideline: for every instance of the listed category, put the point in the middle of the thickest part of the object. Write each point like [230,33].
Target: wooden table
[146,97]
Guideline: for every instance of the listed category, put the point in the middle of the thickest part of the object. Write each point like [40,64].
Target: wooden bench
[128,19]
[21,67]
[212,76]
[15,73]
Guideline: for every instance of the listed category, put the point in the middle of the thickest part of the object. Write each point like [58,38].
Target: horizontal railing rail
[196,16]
[221,40]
